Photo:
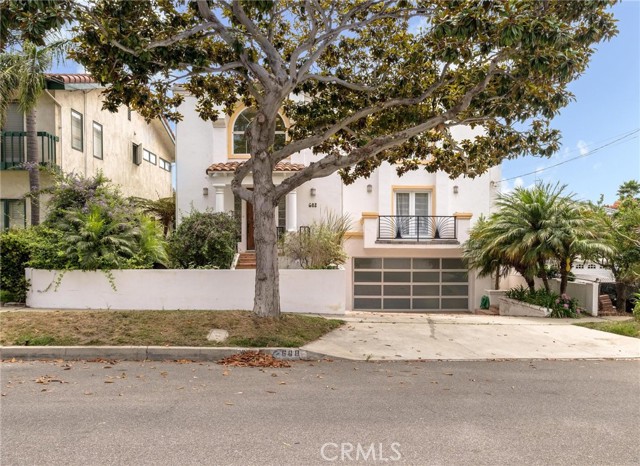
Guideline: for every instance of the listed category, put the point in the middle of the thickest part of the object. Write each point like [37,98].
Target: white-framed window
[149,156]
[164,164]
[13,213]
[77,139]
[412,209]
[240,143]
[97,140]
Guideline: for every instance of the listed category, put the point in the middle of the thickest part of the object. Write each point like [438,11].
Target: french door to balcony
[412,210]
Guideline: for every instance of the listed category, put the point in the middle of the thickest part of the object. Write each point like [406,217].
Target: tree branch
[332,163]
[318,138]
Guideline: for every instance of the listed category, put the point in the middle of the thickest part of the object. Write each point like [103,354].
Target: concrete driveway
[377,336]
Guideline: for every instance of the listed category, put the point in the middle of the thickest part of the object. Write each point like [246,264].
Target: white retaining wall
[301,291]
[586,292]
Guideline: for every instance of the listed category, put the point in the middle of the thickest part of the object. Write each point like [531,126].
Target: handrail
[13,148]
[416,227]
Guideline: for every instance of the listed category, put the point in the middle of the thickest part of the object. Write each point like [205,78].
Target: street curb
[148,353]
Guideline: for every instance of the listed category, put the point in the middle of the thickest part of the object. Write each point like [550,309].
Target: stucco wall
[54,117]
[145,180]
[301,291]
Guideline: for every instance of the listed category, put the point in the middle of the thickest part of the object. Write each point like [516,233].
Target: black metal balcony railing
[416,227]
[13,148]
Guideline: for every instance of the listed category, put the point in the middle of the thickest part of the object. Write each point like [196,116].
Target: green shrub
[100,229]
[558,305]
[321,246]
[204,240]
[636,308]
[15,252]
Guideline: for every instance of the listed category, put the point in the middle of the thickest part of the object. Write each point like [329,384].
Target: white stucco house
[77,135]
[404,246]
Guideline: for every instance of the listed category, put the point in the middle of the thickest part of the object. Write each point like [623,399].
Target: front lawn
[158,328]
[628,328]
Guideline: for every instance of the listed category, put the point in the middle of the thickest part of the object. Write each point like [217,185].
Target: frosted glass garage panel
[455,303]
[367,277]
[453,264]
[367,303]
[426,277]
[448,277]
[367,263]
[426,290]
[397,277]
[426,304]
[395,263]
[455,290]
[421,263]
[367,290]
[395,304]
[397,290]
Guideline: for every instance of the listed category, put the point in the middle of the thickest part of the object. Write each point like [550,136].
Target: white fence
[301,291]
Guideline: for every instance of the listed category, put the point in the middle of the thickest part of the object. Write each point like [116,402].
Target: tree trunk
[33,166]
[497,282]
[543,276]
[266,301]
[565,268]
[621,296]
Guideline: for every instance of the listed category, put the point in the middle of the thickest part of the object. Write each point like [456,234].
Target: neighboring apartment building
[405,244]
[77,135]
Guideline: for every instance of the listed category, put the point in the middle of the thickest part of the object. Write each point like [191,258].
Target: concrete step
[246,260]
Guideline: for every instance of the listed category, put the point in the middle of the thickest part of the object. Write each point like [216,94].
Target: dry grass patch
[159,328]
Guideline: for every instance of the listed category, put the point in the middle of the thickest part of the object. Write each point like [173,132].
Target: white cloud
[583,147]
[518,183]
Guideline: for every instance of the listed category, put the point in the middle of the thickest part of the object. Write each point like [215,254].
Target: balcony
[414,231]
[418,228]
[13,149]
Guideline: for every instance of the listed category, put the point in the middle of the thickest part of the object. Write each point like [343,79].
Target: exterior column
[292,211]
[219,198]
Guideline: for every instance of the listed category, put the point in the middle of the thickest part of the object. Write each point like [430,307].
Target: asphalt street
[328,412]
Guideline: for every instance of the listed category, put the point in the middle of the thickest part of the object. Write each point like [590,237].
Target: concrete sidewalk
[386,336]
[377,336]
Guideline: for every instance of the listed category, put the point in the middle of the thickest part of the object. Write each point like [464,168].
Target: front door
[250,241]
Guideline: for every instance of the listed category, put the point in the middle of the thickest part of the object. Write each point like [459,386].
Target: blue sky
[607,107]
[605,112]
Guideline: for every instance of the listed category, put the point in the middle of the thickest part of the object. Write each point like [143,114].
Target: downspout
[85,134]
[58,126]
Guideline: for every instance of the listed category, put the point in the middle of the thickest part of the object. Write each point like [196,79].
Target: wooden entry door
[250,241]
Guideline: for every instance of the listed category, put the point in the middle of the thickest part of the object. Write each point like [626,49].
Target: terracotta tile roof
[72,78]
[231,166]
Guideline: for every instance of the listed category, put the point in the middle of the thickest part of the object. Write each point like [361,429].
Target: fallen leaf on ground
[253,359]
[47,379]
[103,361]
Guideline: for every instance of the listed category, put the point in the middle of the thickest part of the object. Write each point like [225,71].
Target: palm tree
[523,226]
[22,77]
[532,227]
[488,261]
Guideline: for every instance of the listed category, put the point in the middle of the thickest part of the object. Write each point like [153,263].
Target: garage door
[410,284]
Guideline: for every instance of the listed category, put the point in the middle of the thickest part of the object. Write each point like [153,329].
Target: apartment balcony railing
[416,227]
[13,148]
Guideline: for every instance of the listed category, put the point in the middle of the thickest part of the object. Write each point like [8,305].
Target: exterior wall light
[205,191]
[312,192]
[455,189]
[369,188]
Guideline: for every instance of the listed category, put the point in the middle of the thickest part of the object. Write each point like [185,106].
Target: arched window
[240,125]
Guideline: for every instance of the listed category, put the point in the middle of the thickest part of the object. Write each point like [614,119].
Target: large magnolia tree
[384,80]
